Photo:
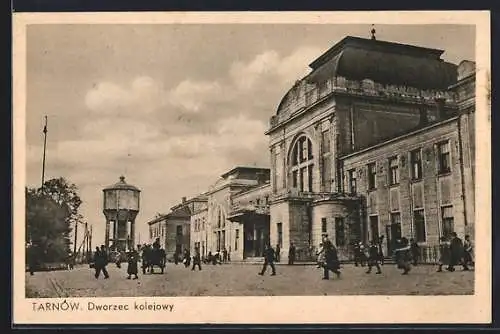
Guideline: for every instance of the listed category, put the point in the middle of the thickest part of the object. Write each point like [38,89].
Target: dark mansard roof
[384,62]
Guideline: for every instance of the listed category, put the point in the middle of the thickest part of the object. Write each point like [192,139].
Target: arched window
[301,165]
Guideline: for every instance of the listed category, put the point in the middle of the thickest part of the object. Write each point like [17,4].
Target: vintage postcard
[252,168]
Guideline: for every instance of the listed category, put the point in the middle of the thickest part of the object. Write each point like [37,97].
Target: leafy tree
[50,216]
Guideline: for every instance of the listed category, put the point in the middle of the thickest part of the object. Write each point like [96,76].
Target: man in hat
[331,258]
[373,257]
[269,257]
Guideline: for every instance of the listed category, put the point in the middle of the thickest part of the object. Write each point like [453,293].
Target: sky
[172,107]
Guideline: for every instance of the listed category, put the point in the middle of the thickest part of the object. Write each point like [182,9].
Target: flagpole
[44,149]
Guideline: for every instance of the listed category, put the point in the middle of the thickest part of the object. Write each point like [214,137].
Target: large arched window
[301,165]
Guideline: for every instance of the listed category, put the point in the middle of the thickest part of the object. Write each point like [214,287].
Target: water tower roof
[121,185]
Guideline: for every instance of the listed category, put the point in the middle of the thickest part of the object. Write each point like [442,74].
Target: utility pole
[86,242]
[90,240]
[44,149]
[76,234]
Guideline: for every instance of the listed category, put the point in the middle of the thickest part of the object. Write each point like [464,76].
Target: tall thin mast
[44,149]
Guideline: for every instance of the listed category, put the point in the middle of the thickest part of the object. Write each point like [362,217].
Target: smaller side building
[174,228]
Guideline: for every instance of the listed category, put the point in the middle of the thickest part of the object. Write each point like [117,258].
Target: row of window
[419,227]
[199,224]
[156,232]
[443,167]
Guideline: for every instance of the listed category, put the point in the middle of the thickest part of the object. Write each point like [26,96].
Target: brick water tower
[121,206]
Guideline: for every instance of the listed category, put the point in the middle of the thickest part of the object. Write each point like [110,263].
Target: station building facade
[377,140]
[344,138]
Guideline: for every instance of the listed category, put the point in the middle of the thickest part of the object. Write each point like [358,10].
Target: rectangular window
[310,178]
[372,176]
[444,163]
[339,231]
[236,239]
[325,139]
[395,229]
[374,227]
[327,177]
[447,221]
[419,224]
[179,230]
[352,181]
[393,171]
[323,225]
[294,179]
[302,179]
[223,241]
[203,224]
[280,234]
[416,164]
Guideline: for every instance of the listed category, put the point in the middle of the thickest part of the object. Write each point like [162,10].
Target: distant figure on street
[444,253]
[320,256]
[467,260]
[156,244]
[373,257]
[456,251]
[187,258]
[278,249]
[291,254]
[224,255]
[229,254]
[196,259]
[332,262]
[402,255]
[415,251]
[100,262]
[269,257]
[380,250]
[132,259]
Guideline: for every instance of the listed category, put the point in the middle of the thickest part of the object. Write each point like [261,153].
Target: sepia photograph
[240,155]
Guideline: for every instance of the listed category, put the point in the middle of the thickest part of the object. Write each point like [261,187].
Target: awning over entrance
[249,213]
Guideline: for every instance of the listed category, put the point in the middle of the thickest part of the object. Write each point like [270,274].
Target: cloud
[174,142]
[143,95]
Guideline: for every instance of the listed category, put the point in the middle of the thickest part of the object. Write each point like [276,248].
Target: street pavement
[242,280]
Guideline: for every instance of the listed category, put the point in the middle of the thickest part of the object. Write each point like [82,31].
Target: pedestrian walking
[320,256]
[444,254]
[196,259]
[467,258]
[132,259]
[456,251]
[100,262]
[380,249]
[373,257]
[415,251]
[403,256]
[331,262]
[187,258]
[278,249]
[224,255]
[291,254]
[269,257]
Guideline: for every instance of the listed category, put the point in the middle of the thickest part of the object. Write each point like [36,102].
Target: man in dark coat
[291,254]
[331,258]
[415,251]
[403,256]
[373,257]
[456,251]
[100,262]
[269,257]
[444,253]
[132,259]
[467,260]
[380,250]
[196,259]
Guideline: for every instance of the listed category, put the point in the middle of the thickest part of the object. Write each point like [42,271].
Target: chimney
[423,116]
[440,108]
[184,200]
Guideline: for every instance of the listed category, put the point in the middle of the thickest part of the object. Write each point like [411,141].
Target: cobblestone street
[242,280]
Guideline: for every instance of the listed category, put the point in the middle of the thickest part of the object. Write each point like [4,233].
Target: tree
[50,216]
